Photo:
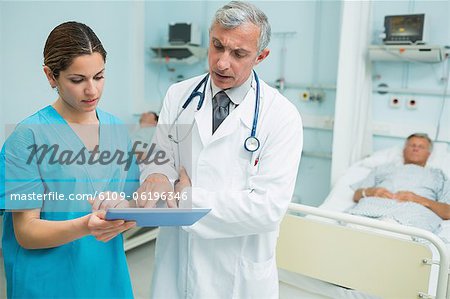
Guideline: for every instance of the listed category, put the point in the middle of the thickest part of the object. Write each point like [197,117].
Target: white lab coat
[230,253]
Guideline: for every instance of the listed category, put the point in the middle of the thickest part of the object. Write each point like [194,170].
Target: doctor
[230,253]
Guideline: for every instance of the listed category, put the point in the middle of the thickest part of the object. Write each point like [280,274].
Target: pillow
[385,156]
[341,196]
[440,157]
[446,165]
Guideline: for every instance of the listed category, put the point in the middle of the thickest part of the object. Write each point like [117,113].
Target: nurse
[230,253]
[52,166]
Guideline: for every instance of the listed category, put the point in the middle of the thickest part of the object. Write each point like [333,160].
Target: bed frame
[382,265]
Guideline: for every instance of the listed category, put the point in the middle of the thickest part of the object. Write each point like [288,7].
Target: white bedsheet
[295,285]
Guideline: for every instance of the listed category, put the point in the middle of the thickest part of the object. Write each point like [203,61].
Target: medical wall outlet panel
[411,104]
[419,53]
[305,96]
[395,102]
[446,51]
[313,95]
[184,34]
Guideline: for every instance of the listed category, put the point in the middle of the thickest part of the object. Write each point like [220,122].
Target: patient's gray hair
[237,13]
[423,136]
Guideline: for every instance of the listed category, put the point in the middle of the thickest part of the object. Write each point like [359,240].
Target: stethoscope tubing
[201,95]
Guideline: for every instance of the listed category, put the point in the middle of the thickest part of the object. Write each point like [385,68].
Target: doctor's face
[80,86]
[416,151]
[233,53]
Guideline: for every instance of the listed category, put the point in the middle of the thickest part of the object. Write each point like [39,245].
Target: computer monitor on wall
[404,29]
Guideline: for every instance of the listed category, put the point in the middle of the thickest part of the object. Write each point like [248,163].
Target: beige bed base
[387,266]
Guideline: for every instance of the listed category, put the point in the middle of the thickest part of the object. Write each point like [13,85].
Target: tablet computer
[146,217]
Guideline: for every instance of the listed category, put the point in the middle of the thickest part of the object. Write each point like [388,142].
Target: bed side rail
[383,265]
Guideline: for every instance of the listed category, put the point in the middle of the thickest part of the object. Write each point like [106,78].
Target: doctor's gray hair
[237,13]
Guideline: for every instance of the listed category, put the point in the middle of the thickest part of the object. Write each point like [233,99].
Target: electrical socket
[394,102]
[305,96]
[313,95]
[317,95]
[411,104]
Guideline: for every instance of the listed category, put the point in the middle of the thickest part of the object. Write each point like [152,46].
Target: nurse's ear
[264,53]
[50,77]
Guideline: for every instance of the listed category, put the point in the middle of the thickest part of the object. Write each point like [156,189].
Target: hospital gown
[84,268]
[426,182]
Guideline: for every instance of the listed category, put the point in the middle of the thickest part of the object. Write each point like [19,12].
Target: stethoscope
[251,144]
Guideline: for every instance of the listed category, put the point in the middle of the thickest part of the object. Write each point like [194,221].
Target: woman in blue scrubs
[53,165]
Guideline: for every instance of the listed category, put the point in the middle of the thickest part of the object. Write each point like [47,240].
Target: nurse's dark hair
[423,136]
[236,13]
[66,42]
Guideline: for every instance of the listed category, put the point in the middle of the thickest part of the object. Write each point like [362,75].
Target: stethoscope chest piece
[251,144]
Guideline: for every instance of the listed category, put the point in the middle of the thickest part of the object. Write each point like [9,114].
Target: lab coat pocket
[257,279]
[244,169]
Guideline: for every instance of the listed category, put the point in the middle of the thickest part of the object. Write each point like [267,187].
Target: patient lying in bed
[410,194]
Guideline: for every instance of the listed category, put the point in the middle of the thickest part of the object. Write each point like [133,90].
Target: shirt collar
[236,94]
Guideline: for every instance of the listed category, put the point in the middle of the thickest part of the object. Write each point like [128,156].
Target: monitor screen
[180,33]
[404,28]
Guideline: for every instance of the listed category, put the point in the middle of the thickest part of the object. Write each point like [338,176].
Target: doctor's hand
[107,200]
[155,187]
[104,230]
[183,182]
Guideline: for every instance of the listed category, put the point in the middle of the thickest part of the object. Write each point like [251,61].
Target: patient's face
[416,151]
[148,120]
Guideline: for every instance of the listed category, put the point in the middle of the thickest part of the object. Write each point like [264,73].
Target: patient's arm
[375,191]
[441,209]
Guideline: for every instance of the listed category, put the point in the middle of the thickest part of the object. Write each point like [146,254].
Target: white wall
[404,75]
[24,27]
[134,83]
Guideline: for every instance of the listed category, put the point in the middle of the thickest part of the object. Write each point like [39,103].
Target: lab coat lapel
[228,126]
[244,112]
[248,109]
[203,120]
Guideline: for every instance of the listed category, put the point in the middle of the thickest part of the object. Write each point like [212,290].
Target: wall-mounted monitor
[404,29]
[184,34]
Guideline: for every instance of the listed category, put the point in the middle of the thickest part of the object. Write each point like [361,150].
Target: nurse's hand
[104,230]
[108,200]
[155,187]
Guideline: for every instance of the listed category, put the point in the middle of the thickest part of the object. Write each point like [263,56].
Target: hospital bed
[325,253]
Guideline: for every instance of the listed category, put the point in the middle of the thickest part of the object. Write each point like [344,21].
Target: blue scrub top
[84,268]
